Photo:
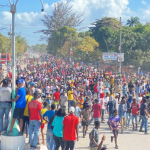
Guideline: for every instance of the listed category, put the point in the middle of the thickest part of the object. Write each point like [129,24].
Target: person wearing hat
[49,101]
[70,129]
[5,104]
[20,105]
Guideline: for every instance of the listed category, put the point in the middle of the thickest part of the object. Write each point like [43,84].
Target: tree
[60,37]
[133,21]
[63,15]
[106,32]
[42,48]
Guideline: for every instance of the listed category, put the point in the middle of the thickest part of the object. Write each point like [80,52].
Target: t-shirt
[34,106]
[21,102]
[86,115]
[63,100]
[135,107]
[70,122]
[97,110]
[114,122]
[43,112]
[77,111]
[28,99]
[70,95]
[58,126]
[94,133]
[56,96]
[143,106]
[47,89]
[95,89]
[5,94]
[49,114]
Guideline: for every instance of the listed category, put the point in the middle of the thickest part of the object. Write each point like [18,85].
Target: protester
[96,108]
[144,116]
[122,113]
[113,124]
[70,129]
[29,97]
[58,129]
[5,105]
[135,109]
[20,106]
[36,119]
[85,117]
[94,136]
[49,135]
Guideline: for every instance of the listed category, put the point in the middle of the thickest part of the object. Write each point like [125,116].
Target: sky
[29,13]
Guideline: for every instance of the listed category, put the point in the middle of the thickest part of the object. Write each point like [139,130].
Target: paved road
[129,140]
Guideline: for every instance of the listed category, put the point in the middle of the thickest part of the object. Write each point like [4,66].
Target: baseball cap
[20,81]
[38,91]
[71,109]
[32,83]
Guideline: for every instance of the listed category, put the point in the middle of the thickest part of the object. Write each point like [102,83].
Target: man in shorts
[85,117]
[20,106]
[113,124]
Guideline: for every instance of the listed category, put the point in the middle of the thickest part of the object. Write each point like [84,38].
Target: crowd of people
[67,97]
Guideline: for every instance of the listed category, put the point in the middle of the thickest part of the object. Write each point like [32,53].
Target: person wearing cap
[36,119]
[20,105]
[5,104]
[70,129]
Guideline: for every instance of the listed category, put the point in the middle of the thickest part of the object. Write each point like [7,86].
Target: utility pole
[120,47]
[13,12]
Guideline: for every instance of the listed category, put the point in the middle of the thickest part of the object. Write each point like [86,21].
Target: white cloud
[92,9]
[143,2]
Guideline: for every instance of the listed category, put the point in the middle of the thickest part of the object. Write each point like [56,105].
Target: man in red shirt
[135,109]
[96,108]
[70,129]
[36,119]
[95,90]
[56,98]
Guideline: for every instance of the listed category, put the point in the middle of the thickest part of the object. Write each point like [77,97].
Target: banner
[110,56]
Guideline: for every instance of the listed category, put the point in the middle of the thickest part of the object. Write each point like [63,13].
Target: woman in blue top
[58,129]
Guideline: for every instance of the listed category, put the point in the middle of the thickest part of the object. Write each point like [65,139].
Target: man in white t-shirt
[47,89]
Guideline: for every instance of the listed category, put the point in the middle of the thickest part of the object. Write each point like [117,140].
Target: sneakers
[116,147]
[141,131]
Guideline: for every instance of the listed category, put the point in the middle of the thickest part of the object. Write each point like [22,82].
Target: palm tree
[134,21]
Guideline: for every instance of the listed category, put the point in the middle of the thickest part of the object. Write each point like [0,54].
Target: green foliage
[5,45]
[134,21]
[60,37]
[39,48]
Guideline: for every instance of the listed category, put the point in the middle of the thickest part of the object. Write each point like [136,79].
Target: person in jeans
[58,129]
[128,114]
[70,130]
[135,108]
[36,119]
[144,116]
[49,135]
[5,104]
[122,113]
